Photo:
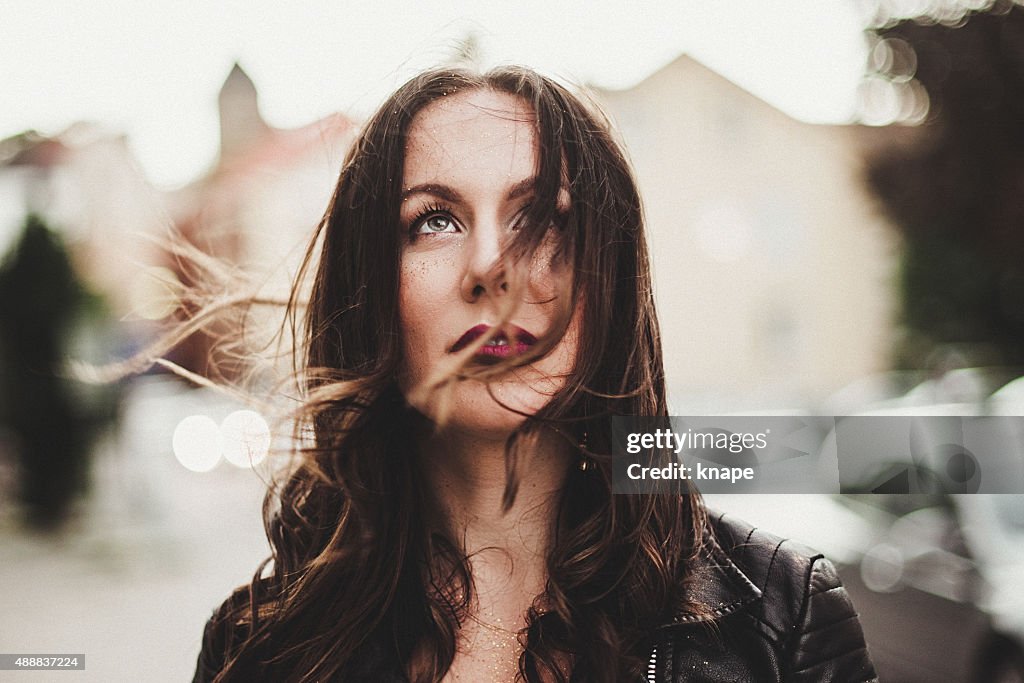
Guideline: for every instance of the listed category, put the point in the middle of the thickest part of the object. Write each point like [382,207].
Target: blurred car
[939,588]
[1009,400]
[940,474]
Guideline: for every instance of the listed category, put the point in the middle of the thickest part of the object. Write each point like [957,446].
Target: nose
[485,274]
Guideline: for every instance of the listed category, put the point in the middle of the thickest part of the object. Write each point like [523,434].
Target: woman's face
[470,163]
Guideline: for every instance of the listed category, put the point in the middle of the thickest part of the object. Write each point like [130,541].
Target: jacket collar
[717,584]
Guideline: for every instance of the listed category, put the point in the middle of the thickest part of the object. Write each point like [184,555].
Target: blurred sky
[152,68]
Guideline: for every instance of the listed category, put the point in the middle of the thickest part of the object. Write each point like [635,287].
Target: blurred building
[774,271]
[87,183]
[259,205]
[269,188]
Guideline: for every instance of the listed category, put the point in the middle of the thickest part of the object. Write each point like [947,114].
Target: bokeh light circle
[246,438]
[881,568]
[197,443]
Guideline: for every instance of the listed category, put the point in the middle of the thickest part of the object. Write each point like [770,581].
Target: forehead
[478,137]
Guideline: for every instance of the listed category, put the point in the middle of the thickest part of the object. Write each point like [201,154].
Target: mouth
[501,346]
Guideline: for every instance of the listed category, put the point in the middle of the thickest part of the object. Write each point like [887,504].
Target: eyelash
[429,211]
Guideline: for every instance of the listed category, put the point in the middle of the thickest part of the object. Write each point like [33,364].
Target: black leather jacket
[780,614]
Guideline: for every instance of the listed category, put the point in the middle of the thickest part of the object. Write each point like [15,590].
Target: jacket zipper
[652,666]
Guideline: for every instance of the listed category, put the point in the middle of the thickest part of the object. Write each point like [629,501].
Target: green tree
[40,300]
[957,194]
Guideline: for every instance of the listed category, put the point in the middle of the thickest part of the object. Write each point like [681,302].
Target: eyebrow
[450,194]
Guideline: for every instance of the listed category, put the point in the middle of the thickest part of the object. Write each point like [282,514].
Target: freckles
[431,269]
[426,292]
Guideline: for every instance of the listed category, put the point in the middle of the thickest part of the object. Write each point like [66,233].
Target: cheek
[551,280]
[548,276]
[567,352]
[421,304]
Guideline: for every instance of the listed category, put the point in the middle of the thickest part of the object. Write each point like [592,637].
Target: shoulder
[782,603]
[222,636]
[788,574]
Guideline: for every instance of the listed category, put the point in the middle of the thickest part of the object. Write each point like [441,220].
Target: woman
[481,307]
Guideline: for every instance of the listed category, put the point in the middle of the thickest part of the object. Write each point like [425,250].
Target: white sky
[152,68]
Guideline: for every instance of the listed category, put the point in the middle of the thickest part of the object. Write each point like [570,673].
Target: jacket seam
[808,585]
[830,625]
[831,658]
[771,565]
[764,587]
[794,638]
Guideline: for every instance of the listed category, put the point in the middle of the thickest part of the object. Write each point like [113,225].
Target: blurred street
[132,580]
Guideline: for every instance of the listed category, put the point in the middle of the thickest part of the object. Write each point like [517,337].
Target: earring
[584,464]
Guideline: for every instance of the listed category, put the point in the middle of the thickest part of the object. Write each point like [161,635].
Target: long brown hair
[360,586]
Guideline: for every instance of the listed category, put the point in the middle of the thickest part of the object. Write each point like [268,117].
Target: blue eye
[434,219]
[435,223]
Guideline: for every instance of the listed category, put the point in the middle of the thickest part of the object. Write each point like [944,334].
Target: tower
[240,120]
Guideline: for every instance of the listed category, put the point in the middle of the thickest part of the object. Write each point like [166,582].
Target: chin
[474,412]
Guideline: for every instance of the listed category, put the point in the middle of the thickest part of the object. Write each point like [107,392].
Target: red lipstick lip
[522,341]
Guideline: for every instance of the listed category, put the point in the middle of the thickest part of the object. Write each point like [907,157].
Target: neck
[466,476]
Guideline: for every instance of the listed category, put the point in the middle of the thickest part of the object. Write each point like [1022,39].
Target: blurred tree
[40,300]
[957,194]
